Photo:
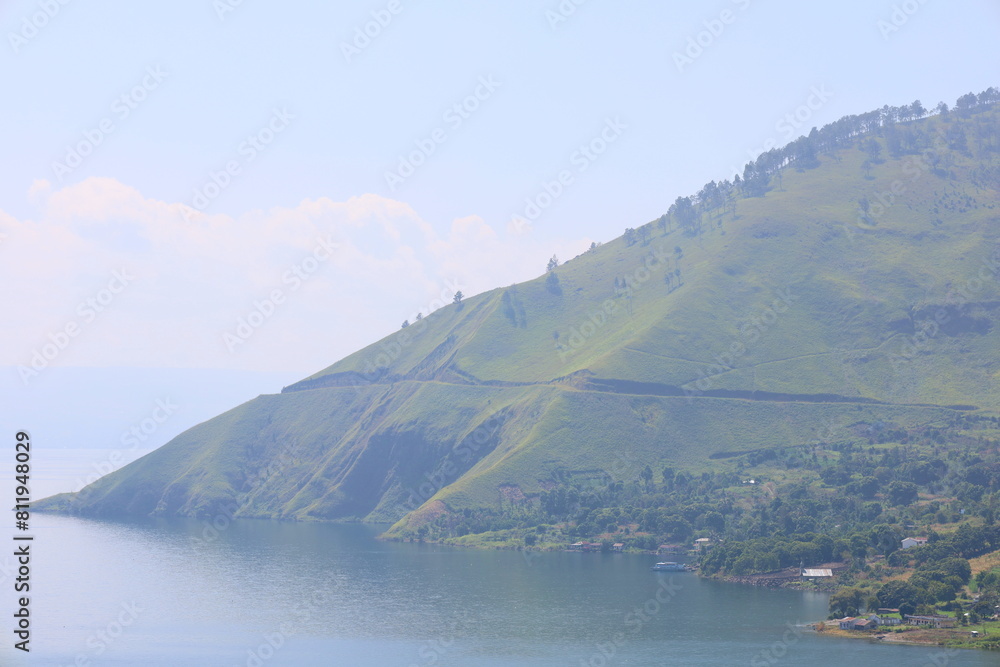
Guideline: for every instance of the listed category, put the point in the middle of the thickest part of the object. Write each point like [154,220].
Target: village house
[932,621]
[813,573]
[618,547]
[702,543]
[860,622]
[888,616]
[914,542]
[865,624]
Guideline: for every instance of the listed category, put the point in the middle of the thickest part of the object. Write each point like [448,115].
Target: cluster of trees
[933,583]
[802,153]
[987,584]
[773,553]
[891,123]
[845,501]
[971,103]
[966,542]
[641,235]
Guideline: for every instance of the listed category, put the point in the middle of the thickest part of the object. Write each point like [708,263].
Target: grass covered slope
[854,293]
[852,290]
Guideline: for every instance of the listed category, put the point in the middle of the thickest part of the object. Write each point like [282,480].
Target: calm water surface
[265,593]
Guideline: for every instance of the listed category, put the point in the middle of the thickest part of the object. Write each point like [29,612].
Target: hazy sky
[170,168]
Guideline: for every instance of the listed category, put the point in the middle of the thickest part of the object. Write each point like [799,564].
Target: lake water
[266,593]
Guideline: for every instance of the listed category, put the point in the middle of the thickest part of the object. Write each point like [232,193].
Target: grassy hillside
[855,294]
[853,290]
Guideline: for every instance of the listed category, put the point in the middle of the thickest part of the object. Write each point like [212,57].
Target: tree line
[892,123]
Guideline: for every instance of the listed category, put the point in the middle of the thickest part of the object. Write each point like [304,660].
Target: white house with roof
[817,572]
[914,542]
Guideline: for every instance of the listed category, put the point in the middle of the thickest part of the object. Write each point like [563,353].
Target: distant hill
[848,278]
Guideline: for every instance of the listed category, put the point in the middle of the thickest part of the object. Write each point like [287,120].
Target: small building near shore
[865,624]
[889,616]
[860,622]
[818,573]
[913,542]
[932,621]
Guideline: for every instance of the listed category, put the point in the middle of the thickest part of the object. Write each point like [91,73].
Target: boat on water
[671,566]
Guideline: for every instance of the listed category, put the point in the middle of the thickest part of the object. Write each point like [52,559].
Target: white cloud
[193,279]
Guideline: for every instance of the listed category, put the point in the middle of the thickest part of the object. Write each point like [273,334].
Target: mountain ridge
[827,275]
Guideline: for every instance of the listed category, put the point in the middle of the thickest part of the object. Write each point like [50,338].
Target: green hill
[849,278]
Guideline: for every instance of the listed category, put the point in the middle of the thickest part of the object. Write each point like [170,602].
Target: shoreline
[949,639]
[789,578]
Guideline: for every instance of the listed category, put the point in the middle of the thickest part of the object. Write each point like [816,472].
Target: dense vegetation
[849,502]
[812,504]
